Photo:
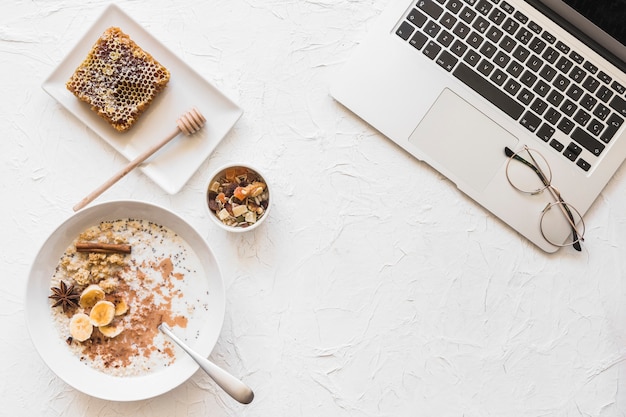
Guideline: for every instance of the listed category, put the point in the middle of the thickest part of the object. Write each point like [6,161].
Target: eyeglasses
[532,175]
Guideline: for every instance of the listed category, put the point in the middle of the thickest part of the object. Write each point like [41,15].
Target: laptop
[456,82]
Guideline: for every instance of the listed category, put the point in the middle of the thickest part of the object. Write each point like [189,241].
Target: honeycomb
[118,79]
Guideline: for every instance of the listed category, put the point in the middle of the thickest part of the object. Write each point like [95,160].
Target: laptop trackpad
[458,137]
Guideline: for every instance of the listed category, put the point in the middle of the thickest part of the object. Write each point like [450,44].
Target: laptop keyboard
[527,72]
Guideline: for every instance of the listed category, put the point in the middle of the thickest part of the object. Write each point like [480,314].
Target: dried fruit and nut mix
[238,196]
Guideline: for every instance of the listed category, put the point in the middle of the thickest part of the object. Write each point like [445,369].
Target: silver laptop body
[418,79]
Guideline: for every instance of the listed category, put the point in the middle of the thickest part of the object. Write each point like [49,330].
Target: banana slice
[111,330]
[121,308]
[102,313]
[91,295]
[80,327]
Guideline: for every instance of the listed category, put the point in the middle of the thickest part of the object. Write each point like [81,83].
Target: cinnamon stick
[98,247]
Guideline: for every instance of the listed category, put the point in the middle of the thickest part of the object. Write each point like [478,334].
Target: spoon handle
[231,385]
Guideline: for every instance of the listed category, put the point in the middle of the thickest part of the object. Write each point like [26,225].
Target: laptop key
[471,57]
[405,30]
[547,73]
[564,65]
[501,59]
[418,40]
[521,53]
[555,98]
[432,29]
[552,116]
[454,6]
[535,27]
[488,49]
[572,151]
[588,102]
[497,16]
[498,77]
[485,67]
[557,145]
[565,125]
[431,50]
[562,47]
[481,24]
[417,18]
[587,141]
[613,124]
[582,117]
[507,44]
[574,92]
[618,87]
[524,36]
[448,21]
[484,7]
[494,34]
[569,108]
[445,38]
[550,55]
[539,106]
[490,92]
[430,8]
[604,77]
[601,111]
[461,30]
[525,96]
[619,105]
[446,61]
[590,67]
[458,48]
[530,121]
[604,93]
[467,15]
[510,26]
[550,38]
[577,74]
[528,78]
[545,132]
[583,164]
[591,84]
[537,45]
[512,87]
[507,7]
[595,127]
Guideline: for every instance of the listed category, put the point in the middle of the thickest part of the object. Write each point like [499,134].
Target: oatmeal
[114,285]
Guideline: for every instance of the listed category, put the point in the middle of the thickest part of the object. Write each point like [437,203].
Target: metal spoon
[231,385]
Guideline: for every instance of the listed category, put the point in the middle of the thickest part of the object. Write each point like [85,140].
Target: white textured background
[374,289]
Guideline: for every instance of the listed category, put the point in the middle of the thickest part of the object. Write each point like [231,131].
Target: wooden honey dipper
[188,123]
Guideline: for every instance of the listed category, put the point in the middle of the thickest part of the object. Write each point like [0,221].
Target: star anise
[64,296]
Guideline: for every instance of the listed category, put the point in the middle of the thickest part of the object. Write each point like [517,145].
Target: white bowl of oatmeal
[237,198]
[132,265]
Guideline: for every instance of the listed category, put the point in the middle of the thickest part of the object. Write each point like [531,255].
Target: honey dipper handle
[122,172]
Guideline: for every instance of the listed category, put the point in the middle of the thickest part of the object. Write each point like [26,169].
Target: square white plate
[172,166]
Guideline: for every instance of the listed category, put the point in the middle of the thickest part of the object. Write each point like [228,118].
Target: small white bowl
[210,192]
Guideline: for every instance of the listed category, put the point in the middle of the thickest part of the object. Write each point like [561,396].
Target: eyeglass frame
[577,236]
